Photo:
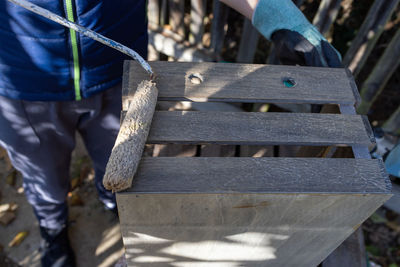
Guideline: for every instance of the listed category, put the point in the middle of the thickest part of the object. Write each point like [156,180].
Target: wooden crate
[245,211]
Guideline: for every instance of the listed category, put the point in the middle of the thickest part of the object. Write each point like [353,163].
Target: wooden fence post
[369,33]
[153,14]
[176,11]
[163,12]
[197,13]
[248,43]
[381,74]
[326,15]
[218,29]
[392,125]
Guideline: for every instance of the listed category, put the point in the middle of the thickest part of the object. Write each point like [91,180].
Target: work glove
[296,40]
[392,161]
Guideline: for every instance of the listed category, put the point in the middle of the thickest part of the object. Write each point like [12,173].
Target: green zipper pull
[75,54]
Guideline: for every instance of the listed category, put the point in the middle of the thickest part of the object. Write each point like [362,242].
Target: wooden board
[177,11]
[197,14]
[218,27]
[232,230]
[248,43]
[260,175]
[227,82]
[350,253]
[243,211]
[257,128]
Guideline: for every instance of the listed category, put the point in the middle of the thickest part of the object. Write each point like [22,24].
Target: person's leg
[39,139]
[99,129]
[39,147]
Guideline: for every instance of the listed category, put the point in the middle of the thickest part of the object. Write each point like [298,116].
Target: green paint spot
[289,82]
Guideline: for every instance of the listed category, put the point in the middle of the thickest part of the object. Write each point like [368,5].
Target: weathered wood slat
[243,211]
[243,83]
[271,230]
[350,253]
[392,125]
[326,15]
[171,48]
[257,128]
[153,12]
[163,12]
[260,175]
[248,43]
[197,13]
[177,11]
[380,74]
[369,33]
[359,151]
[218,29]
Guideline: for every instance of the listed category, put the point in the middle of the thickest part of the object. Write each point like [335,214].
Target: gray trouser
[40,136]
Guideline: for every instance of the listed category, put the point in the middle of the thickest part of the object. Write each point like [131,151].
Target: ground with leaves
[94,232]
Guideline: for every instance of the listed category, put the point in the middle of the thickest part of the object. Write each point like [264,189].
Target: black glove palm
[292,48]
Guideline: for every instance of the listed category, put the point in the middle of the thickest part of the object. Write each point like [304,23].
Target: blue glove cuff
[272,15]
[392,161]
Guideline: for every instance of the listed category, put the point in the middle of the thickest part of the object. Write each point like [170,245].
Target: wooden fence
[195,30]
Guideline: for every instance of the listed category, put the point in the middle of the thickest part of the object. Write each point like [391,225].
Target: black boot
[55,248]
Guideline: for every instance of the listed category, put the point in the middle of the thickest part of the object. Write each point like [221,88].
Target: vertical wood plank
[153,14]
[326,15]
[197,13]
[177,12]
[248,43]
[381,74]
[218,27]
[153,11]
[180,52]
[392,125]
[369,33]
[350,253]
[163,12]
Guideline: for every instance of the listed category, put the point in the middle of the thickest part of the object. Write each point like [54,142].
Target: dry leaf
[394,226]
[75,182]
[8,207]
[18,239]
[6,217]
[3,153]
[74,199]
[167,27]
[11,178]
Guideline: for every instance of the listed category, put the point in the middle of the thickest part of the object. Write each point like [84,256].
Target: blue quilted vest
[41,60]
